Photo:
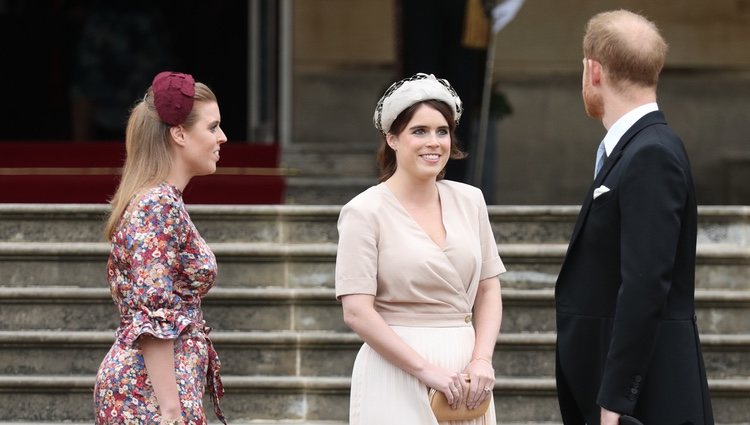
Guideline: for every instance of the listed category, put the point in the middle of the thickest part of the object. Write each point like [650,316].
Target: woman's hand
[609,417]
[482,381]
[449,383]
[488,311]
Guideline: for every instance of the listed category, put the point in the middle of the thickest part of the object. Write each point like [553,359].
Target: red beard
[592,103]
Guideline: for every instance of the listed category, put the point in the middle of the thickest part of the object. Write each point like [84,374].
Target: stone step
[241,264]
[299,422]
[43,398]
[313,353]
[317,223]
[296,422]
[215,421]
[217,223]
[719,266]
[254,398]
[308,309]
[270,422]
[331,159]
[322,190]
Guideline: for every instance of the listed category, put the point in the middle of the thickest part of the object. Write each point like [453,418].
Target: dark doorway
[58,52]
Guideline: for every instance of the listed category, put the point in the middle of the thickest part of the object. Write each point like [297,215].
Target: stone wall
[546,149]
[344,57]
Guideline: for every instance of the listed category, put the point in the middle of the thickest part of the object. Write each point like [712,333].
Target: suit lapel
[608,164]
[647,120]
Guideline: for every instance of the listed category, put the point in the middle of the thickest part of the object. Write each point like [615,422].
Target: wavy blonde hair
[147,144]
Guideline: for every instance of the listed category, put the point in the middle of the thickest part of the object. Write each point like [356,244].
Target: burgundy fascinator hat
[173,96]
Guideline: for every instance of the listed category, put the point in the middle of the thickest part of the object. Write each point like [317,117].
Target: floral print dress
[159,269]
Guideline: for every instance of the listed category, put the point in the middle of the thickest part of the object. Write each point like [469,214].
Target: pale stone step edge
[529,386]
[96,211]
[294,422]
[267,422]
[270,422]
[308,338]
[706,253]
[252,422]
[703,297]
[331,182]
[565,212]
[293,383]
[328,147]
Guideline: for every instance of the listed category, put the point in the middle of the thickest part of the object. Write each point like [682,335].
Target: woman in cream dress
[417,268]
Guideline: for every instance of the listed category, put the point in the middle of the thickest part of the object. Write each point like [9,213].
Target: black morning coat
[627,337]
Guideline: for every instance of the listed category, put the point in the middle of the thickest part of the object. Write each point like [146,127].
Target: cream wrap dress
[425,292]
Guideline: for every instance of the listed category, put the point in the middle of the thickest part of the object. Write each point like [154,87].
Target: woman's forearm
[362,318]
[488,313]
[158,355]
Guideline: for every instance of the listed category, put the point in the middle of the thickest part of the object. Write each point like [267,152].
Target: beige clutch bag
[443,411]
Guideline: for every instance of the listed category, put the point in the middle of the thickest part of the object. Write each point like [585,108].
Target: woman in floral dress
[160,268]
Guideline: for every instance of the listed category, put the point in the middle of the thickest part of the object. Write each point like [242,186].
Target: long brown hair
[387,156]
[147,144]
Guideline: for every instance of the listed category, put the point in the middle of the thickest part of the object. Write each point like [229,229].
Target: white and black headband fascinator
[418,88]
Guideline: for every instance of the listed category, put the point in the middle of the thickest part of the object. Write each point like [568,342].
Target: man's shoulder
[654,135]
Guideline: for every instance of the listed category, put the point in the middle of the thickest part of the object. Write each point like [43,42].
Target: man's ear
[595,72]
[178,134]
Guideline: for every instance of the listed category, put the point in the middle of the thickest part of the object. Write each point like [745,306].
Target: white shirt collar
[623,124]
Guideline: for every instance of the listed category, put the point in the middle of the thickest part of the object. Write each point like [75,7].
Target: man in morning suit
[627,339]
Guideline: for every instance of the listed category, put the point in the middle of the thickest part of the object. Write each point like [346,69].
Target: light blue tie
[601,155]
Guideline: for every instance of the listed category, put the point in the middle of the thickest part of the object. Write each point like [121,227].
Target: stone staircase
[286,354]
[328,173]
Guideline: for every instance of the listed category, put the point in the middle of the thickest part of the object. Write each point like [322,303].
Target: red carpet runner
[67,172]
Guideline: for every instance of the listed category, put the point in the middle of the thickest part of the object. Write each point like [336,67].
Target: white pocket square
[600,191]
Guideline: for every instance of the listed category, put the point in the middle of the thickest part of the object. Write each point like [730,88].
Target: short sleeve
[154,234]
[357,253]
[492,265]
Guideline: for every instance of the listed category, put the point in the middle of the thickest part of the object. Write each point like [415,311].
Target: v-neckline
[441,199]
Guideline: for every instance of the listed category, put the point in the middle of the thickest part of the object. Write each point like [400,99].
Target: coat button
[634,391]
[467,319]
[638,378]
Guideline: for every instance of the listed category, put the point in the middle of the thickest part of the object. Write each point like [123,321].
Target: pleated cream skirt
[383,394]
